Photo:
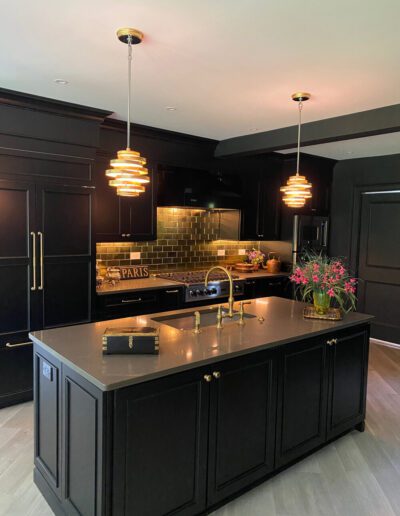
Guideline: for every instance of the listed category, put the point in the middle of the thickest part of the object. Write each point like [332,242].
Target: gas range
[195,290]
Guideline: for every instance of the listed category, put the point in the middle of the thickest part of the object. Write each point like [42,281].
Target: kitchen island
[212,415]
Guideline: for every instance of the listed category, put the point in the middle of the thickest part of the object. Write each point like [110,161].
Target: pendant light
[297,189]
[128,173]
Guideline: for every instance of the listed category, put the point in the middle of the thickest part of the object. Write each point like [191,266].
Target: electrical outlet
[242,252]
[134,256]
[221,252]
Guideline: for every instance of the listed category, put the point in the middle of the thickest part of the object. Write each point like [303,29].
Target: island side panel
[73,432]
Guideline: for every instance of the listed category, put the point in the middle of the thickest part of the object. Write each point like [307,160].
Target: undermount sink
[185,321]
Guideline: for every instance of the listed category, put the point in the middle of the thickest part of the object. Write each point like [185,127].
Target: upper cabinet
[121,219]
[261,203]
[319,172]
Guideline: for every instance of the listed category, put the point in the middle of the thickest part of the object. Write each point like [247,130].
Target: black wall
[350,178]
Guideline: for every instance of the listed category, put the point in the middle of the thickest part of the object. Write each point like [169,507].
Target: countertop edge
[186,367]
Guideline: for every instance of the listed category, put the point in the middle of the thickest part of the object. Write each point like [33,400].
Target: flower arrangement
[323,279]
[255,257]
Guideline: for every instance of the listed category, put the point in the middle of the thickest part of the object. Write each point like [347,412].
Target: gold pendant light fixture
[128,173]
[297,189]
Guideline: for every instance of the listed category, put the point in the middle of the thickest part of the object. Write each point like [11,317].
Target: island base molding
[187,443]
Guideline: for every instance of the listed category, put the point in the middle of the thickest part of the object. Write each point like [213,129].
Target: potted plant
[255,257]
[323,280]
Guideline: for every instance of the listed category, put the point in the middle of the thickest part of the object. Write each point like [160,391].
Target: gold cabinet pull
[207,378]
[216,375]
[41,260]
[18,344]
[331,342]
[33,286]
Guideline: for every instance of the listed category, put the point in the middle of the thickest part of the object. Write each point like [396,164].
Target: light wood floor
[358,475]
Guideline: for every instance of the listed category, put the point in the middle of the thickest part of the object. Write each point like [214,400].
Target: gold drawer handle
[207,378]
[216,375]
[331,342]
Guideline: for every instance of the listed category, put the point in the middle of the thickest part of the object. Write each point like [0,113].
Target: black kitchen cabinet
[160,451]
[123,219]
[267,286]
[261,205]
[321,391]
[190,441]
[45,271]
[319,172]
[348,357]
[242,424]
[138,302]
[302,400]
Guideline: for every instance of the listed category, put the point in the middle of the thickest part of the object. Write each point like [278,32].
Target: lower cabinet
[321,391]
[135,302]
[302,399]
[242,424]
[348,356]
[160,446]
[185,443]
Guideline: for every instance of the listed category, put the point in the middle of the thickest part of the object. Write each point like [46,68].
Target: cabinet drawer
[131,303]
[15,374]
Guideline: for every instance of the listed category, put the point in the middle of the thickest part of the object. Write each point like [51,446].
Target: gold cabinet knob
[331,342]
[216,374]
[207,377]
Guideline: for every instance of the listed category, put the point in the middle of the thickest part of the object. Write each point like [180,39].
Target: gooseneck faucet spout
[230,300]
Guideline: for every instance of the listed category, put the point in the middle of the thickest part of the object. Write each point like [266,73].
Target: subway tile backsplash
[187,239]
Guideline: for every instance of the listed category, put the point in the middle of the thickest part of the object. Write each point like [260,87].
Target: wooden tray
[333,314]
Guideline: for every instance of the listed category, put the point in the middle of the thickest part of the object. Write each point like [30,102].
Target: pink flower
[315,278]
[331,292]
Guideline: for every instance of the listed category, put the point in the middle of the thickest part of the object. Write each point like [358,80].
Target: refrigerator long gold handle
[40,287]
[33,286]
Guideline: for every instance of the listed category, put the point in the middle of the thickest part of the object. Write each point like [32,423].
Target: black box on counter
[131,341]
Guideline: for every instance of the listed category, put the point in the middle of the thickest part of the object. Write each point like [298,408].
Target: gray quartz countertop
[154,283]
[80,347]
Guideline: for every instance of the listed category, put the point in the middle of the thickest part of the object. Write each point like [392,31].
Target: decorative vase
[322,302]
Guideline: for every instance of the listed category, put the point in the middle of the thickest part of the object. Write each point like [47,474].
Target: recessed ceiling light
[62,82]
[170,108]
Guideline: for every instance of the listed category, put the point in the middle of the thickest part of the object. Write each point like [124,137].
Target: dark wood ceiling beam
[346,127]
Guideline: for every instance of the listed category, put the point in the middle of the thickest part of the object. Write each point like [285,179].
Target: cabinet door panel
[347,392]
[17,201]
[65,219]
[302,395]
[160,447]
[66,293]
[242,424]
[16,374]
[66,222]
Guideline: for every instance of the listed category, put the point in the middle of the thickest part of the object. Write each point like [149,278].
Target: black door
[379,263]
[17,283]
[302,397]
[64,278]
[160,453]
[242,424]
[348,364]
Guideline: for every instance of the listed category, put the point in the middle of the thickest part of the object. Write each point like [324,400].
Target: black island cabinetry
[187,442]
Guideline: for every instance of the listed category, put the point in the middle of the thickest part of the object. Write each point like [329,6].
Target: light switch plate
[134,256]
[47,371]
[242,252]
[221,252]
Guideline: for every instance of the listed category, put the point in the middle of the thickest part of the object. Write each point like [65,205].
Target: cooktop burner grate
[193,277]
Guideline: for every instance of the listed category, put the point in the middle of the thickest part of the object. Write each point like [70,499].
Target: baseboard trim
[386,343]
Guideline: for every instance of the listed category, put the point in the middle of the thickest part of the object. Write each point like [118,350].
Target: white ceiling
[379,145]
[228,66]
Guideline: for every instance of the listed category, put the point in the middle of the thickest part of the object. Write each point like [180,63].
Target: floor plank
[358,475]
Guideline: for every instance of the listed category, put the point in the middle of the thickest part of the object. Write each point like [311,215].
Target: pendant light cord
[128,122]
[298,139]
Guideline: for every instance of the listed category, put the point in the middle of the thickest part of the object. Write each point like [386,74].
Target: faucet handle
[197,320]
[241,311]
